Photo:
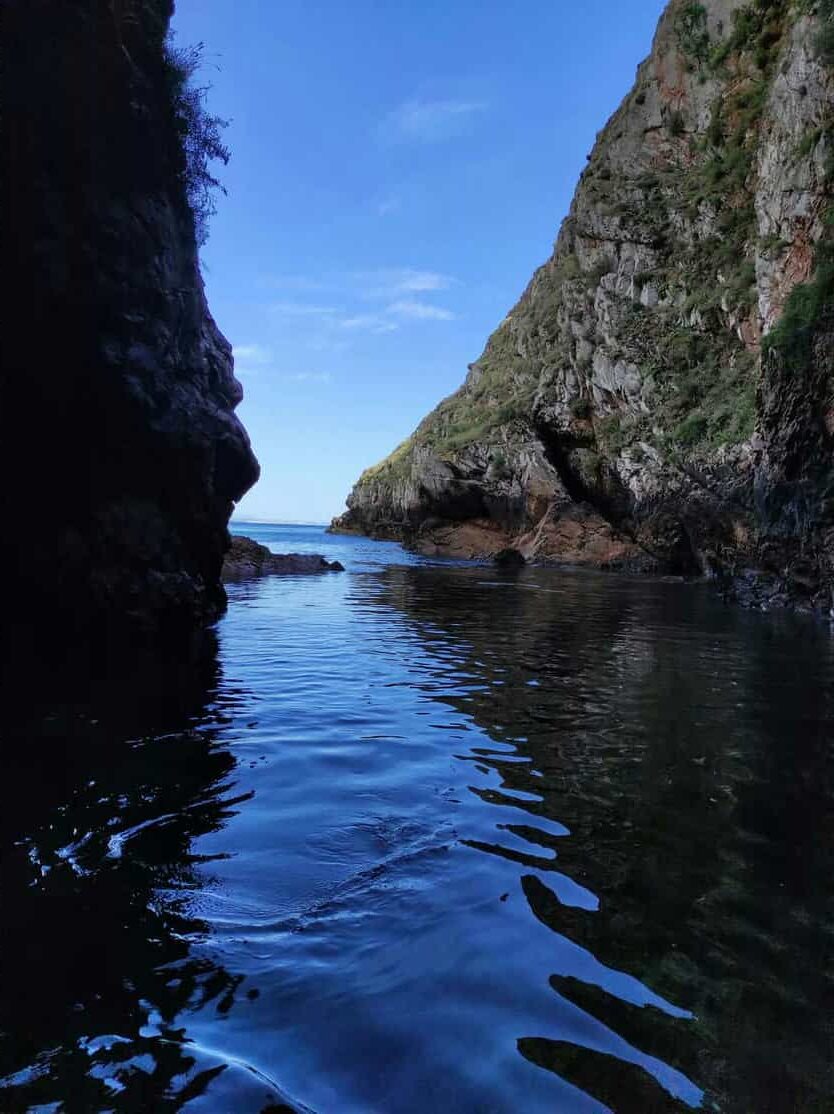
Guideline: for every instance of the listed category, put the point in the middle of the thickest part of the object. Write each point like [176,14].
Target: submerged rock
[662,395]
[509,559]
[246,558]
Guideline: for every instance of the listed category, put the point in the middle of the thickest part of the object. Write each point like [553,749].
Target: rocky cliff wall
[121,454]
[661,396]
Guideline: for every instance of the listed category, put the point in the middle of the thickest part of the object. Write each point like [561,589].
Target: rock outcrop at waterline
[246,559]
[121,453]
[662,396]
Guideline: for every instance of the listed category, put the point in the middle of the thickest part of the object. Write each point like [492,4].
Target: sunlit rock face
[122,454]
[661,396]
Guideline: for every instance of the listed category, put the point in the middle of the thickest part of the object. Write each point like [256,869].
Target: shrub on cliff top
[200,133]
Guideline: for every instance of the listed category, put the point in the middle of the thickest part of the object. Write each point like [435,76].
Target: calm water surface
[427,837]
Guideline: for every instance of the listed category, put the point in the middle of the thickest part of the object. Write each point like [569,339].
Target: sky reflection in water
[425,836]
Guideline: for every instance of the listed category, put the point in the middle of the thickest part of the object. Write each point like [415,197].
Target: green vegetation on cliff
[700,238]
[199,133]
[694,208]
[809,302]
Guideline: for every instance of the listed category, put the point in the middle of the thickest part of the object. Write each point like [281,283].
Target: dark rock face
[121,453]
[510,559]
[661,397]
[247,558]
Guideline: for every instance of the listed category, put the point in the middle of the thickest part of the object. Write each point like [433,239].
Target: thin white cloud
[251,354]
[308,377]
[368,322]
[388,206]
[297,283]
[387,321]
[380,282]
[397,295]
[328,343]
[303,309]
[419,281]
[420,311]
[426,121]
[251,359]
[394,282]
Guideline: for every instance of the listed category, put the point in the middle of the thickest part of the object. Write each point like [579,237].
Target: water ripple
[433,836]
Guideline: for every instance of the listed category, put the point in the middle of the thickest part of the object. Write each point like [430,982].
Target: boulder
[509,559]
[247,558]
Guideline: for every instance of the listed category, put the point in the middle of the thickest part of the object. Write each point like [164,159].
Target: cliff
[121,454]
[662,395]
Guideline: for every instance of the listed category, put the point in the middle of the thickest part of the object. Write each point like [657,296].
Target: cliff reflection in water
[689,761]
[458,840]
[111,773]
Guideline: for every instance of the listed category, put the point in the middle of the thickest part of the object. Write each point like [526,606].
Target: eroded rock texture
[121,452]
[661,396]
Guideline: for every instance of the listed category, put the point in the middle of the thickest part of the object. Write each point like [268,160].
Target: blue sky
[398,171]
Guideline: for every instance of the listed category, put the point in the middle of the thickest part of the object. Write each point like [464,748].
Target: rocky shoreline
[246,558]
[588,542]
[661,398]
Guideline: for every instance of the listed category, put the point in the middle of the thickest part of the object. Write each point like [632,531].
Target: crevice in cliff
[676,551]
[614,508]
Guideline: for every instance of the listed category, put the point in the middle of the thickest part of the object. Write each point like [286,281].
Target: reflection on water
[688,752]
[428,836]
[109,778]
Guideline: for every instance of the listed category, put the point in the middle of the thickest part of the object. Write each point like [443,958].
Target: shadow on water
[673,774]
[111,772]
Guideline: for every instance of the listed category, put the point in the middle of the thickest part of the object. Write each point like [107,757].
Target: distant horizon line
[278,521]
